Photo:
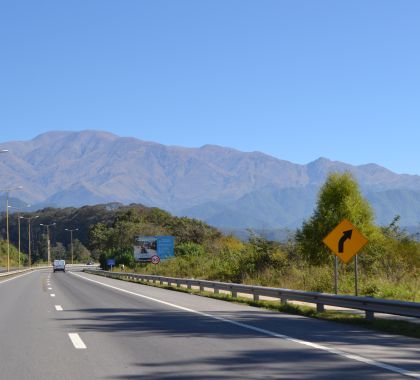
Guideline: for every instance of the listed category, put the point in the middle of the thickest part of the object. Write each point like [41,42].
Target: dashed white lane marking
[58,308]
[49,288]
[331,350]
[77,341]
[52,295]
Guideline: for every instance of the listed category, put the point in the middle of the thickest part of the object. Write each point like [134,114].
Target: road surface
[79,326]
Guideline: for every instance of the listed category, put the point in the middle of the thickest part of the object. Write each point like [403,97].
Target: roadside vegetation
[13,256]
[389,265]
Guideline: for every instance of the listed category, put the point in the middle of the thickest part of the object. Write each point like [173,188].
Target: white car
[59,265]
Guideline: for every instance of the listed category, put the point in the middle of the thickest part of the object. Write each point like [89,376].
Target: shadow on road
[225,351]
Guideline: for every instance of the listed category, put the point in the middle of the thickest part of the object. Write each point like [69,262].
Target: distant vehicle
[59,265]
[90,263]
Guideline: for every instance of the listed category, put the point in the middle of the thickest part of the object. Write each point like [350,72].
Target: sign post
[356,276]
[336,275]
[111,263]
[345,241]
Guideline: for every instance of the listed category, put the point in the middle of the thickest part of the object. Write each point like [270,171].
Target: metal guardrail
[369,305]
[13,272]
[17,271]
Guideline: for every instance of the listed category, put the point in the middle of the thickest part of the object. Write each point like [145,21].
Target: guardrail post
[283,300]
[201,287]
[234,293]
[256,297]
[216,291]
[178,284]
[320,307]
[369,315]
[188,285]
[161,281]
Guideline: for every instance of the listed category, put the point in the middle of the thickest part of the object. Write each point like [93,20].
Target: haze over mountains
[223,186]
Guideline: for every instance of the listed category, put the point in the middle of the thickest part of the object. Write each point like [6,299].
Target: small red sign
[155,259]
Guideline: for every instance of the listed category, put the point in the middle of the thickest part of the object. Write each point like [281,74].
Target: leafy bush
[189,249]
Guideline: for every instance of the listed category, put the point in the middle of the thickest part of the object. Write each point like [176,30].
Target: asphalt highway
[78,326]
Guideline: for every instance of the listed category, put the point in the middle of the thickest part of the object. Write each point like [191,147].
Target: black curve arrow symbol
[346,235]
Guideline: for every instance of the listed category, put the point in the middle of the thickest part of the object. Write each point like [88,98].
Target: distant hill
[222,186]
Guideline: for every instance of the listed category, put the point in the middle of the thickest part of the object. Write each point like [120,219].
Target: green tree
[58,251]
[99,236]
[80,252]
[338,199]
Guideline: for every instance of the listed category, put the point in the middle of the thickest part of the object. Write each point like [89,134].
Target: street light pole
[7,219]
[71,240]
[7,231]
[7,191]
[19,241]
[48,240]
[19,218]
[29,236]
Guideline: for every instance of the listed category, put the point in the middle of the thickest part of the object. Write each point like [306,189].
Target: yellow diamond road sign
[345,241]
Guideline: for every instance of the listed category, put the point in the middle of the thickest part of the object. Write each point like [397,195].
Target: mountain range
[222,186]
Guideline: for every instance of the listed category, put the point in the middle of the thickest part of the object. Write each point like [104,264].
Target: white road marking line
[58,308]
[49,288]
[77,341]
[331,350]
[52,295]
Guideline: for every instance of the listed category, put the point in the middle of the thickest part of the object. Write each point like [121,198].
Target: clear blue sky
[294,79]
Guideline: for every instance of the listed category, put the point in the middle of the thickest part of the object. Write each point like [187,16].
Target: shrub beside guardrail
[369,305]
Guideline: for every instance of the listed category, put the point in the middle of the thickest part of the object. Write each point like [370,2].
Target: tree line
[389,264]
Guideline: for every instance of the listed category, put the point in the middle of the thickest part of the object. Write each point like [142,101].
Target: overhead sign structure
[345,241]
[147,247]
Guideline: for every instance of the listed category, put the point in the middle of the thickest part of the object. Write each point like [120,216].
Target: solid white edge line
[343,354]
[58,307]
[77,341]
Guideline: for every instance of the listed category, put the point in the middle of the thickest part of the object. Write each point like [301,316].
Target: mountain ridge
[65,168]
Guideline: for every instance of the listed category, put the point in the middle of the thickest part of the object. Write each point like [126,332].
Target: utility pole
[71,240]
[48,240]
[29,236]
